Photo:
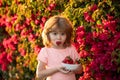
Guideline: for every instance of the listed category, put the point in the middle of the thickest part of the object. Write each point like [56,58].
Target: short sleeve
[74,53]
[43,55]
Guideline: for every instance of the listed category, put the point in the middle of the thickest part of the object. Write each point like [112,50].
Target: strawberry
[68,60]
[58,43]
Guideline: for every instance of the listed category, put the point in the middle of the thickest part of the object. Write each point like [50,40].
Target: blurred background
[96,37]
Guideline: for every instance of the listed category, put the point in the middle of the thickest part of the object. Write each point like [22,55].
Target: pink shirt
[54,57]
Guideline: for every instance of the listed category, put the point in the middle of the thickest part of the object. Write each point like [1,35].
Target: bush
[96,36]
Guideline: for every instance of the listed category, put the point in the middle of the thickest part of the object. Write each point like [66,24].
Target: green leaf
[99,22]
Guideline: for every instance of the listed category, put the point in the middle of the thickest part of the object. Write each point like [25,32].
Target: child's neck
[58,47]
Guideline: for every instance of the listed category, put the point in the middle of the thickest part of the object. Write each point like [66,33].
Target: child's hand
[78,70]
[63,69]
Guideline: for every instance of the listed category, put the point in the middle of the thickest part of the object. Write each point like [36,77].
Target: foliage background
[96,36]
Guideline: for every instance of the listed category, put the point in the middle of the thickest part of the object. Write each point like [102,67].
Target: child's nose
[58,36]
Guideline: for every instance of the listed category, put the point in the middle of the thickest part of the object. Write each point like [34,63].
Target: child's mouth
[58,43]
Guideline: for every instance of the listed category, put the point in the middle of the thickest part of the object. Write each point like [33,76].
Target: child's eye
[54,33]
[62,33]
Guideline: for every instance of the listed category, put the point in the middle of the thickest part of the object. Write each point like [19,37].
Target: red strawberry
[68,60]
[58,43]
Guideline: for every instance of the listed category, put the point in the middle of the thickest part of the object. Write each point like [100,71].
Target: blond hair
[61,23]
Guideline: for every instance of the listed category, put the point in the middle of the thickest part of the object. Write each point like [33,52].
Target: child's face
[57,38]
